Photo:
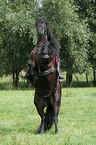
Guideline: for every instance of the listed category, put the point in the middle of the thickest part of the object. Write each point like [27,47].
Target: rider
[58,67]
[57,61]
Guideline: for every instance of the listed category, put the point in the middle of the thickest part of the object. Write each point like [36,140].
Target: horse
[43,75]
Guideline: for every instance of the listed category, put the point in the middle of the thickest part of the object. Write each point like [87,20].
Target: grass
[6,83]
[77,118]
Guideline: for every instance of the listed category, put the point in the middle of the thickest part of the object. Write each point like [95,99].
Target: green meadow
[77,118]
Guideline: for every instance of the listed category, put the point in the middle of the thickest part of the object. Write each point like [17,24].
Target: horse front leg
[40,109]
[41,127]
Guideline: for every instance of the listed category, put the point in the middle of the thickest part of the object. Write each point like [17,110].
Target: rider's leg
[26,76]
[58,68]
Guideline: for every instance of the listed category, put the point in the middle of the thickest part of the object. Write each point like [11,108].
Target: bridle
[44,73]
[43,22]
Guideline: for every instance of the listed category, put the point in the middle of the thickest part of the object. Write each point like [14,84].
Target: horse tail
[49,117]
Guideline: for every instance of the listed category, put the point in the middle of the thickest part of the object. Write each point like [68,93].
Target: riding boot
[58,69]
[26,76]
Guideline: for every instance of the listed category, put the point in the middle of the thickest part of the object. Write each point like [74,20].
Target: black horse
[43,75]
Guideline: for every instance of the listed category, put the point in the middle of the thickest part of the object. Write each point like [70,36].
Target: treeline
[73,23]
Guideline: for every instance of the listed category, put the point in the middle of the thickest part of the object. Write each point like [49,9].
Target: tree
[71,34]
[87,12]
[17,32]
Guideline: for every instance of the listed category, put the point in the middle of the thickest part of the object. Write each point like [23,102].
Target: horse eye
[42,21]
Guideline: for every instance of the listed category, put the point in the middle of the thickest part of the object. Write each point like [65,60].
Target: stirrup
[60,77]
[26,76]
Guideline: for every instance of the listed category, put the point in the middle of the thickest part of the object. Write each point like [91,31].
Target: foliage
[19,118]
[72,35]
[87,12]
[17,32]
[73,23]
[70,32]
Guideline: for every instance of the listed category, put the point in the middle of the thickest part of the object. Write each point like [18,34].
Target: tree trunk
[94,76]
[27,83]
[87,79]
[13,78]
[76,78]
[69,80]
[16,79]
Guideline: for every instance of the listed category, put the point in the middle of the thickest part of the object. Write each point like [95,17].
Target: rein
[47,72]
[44,73]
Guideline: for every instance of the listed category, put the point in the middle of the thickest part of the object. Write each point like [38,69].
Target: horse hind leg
[41,113]
[49,117]
[57,102]
[56,121]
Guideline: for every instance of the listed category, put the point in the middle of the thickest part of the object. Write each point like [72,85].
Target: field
[77,118]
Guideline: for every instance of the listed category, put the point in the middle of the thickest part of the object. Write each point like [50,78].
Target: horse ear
[47,23]
[37,21]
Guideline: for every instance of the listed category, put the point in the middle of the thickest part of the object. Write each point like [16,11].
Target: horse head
[44,34]
[41,25]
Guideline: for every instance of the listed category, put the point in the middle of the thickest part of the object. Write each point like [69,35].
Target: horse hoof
[37,131]
[40,132]
[56,131]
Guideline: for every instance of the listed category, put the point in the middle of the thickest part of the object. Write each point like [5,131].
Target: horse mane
[50,36]
[52,40]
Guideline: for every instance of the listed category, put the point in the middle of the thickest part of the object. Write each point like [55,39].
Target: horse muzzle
[29,62]
[45,56]
[40,31]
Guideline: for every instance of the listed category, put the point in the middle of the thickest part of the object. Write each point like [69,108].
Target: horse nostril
[45,56]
